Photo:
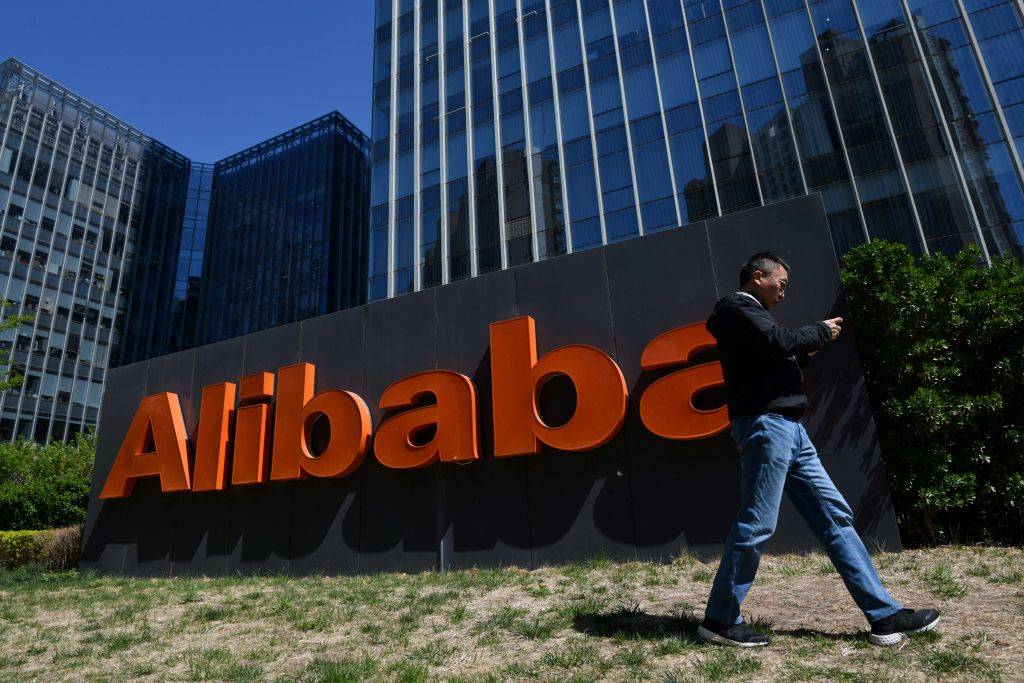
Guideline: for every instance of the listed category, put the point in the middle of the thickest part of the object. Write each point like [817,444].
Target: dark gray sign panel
[638,496]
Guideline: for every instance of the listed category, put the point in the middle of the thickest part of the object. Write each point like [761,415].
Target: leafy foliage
[55,549]
[9,376]
[45,486]
[941,342]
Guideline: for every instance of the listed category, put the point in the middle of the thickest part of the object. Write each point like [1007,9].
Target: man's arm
[750,324]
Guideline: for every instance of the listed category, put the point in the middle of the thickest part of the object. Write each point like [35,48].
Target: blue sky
[205,78]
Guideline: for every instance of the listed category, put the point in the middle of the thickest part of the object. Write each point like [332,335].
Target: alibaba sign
[233,439]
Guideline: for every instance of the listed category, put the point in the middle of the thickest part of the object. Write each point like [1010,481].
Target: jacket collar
[748,294]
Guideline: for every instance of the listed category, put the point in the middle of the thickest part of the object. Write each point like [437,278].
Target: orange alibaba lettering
[517,375]
[453,415]
[155,446]
[350,433]
[218,402]
[294,391]
[438,400]
[666,407]
[298,409]
[251,457]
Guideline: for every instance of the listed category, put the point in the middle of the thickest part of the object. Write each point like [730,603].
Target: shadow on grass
[635,624]
[858,637]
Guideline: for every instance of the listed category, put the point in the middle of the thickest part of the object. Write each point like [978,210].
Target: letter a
[666,407]
[155,446]
[517,375]
[454,416]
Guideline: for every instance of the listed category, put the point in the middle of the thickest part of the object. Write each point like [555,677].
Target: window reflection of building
[488,245]
[729,145]
[551,210]
[518,213]
[973,133]
[773,149]
[185,305]
[458,231]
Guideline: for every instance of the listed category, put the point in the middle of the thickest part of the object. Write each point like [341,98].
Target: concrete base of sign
[638,497]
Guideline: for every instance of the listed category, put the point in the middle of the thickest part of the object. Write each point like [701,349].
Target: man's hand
[834,326]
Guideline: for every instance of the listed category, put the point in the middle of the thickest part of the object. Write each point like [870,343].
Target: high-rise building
[89,207]
[165,299]
[506,131]
[187,279]
[287,230]
[107,236]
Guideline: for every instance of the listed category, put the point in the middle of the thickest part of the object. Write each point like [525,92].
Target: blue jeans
[775,455]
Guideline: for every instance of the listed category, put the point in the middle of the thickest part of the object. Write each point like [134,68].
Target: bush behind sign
[941,343]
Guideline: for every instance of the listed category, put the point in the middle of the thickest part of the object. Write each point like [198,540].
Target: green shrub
[55,549]
[941,340]
[45,486]
[19,548]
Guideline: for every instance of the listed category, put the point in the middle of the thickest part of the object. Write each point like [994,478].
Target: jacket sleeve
[752,326]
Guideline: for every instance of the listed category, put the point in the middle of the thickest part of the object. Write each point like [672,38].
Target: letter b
[296,411]
[517,375]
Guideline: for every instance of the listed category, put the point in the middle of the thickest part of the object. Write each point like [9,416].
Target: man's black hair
[765,261]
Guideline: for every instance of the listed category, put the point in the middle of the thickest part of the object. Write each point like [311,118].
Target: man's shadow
[631,623]
[635,623]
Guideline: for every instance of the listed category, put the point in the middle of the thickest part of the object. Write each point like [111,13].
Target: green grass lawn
[583,622]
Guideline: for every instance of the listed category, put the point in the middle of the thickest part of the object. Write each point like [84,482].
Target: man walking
[762,365]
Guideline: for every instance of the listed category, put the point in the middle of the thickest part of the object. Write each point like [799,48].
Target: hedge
[55,549]
[941,340]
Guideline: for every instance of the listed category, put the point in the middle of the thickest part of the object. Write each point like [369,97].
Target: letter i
[250,464]
[211,462]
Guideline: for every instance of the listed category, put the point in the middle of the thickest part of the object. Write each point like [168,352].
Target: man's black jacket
[760,360]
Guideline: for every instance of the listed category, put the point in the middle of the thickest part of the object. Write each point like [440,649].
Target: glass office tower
[105,239]
[506,131]
[286,233]
[86,203]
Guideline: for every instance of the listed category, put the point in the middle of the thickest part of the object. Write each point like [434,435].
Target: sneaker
[890,630]
[736,635]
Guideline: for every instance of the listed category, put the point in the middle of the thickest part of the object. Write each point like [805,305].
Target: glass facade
[152,280]
[285,238]
[188,277]
[507,131]
[87,203]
